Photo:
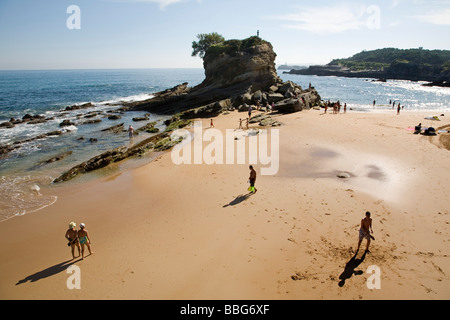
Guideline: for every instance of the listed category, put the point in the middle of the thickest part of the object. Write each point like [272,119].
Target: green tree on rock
[205,42]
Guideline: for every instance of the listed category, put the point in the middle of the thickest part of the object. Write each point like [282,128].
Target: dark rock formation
[4,149]
[237,72]
[6,124]
[115,129]
[59,157]
[115,155]
[66,123]
[81,106]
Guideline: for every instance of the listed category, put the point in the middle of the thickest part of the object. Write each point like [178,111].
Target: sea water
[48,93]
[24,171]
[359,94]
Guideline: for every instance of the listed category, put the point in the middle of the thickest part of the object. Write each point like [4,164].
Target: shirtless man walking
[365,230]
[252,180]
[72,236]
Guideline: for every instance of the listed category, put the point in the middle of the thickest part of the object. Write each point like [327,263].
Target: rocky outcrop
[237,72]
[159,142]
[56,158]
[4,149]
[396,71]
[111,156]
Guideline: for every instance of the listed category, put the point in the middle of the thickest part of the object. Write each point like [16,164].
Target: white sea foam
[20,195]
[134,98]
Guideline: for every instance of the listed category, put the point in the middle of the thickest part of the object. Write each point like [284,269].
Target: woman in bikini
[84,239]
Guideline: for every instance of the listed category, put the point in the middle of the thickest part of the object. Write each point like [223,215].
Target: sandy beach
[175,232]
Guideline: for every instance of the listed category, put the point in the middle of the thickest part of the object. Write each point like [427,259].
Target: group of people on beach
[78,239]
[336,107]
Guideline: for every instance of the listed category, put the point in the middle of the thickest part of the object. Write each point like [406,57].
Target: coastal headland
[389,63]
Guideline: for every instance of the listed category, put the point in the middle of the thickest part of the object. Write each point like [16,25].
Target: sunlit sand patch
[375,174]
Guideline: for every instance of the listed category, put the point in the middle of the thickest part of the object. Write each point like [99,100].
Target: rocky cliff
[237,73]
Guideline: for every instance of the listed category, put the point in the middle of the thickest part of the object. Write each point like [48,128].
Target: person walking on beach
[240,123]
[250,108]
[212,124]
[365,231]
[72,236]
[252,180]
[84,239]
[247,122]
[345,107]
[130,131]
[398,109]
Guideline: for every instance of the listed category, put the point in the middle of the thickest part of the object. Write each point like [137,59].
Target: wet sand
[163,231]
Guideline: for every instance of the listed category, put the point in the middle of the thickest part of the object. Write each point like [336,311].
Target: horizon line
[80,69]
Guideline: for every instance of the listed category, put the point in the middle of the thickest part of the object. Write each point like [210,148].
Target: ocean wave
[416,86]
[21,195]
[128,99]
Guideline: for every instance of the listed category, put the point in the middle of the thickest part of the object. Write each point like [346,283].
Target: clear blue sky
[159,33]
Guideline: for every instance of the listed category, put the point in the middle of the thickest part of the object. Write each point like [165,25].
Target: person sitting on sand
[365,230]
[72,237]
[84,239]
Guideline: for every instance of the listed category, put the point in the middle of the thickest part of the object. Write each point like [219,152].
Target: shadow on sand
[51,271]
[239,199]
[350,267]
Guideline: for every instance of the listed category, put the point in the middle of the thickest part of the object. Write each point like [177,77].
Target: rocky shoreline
[338,71]
[235,81]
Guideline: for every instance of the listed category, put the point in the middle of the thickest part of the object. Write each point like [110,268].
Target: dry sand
[163,231]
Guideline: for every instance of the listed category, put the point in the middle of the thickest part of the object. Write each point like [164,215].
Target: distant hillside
[390,63]
[383,58]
